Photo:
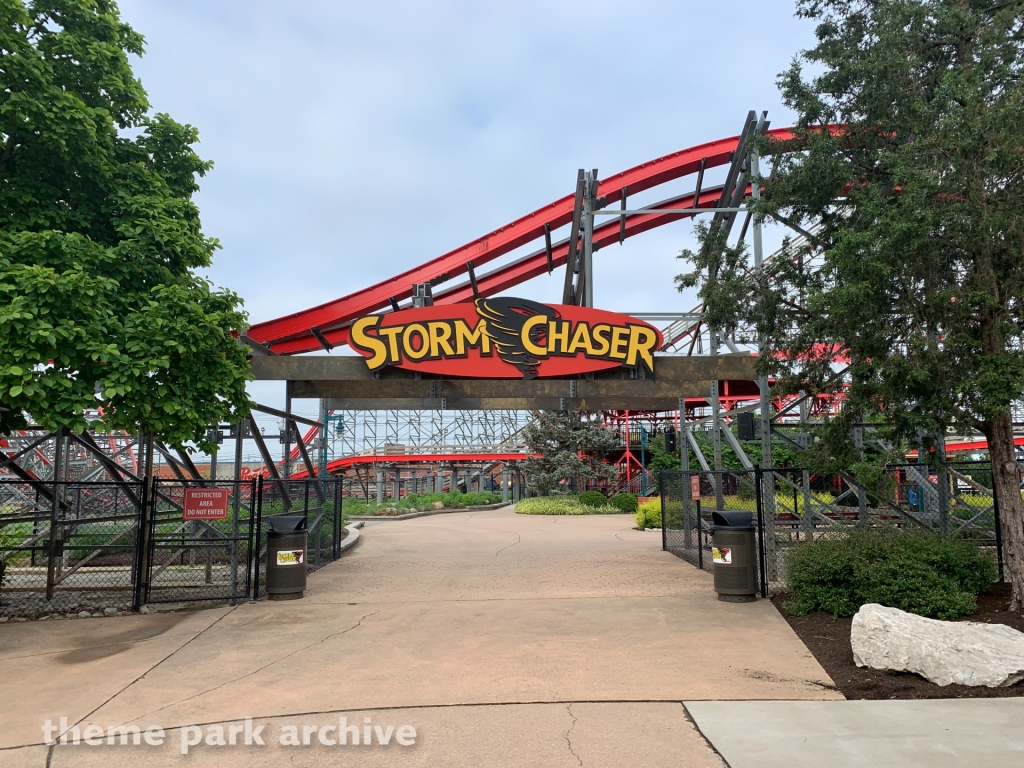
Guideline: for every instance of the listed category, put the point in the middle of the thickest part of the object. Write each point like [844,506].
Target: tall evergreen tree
[918,190]
[569,446]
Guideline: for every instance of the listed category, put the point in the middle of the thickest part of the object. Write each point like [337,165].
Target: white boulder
[943,652]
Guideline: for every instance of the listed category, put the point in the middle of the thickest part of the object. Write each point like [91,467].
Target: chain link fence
[321,502]
[67,547]
[794,505]
[195,558]
[81,546]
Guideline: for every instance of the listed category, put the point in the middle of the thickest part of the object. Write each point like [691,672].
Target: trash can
[734,556]
[286,557]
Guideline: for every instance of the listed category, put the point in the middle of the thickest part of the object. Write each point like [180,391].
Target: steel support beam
[270,464]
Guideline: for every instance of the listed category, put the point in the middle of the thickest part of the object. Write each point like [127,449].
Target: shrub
[624,501]
[593,499]
[560,505]
[422,501]
[480,498]
[917,572]
[649,514]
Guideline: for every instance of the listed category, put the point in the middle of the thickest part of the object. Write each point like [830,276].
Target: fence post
[664,520]
[51,554]
[943,489]
[759,501]
[249,538]
[687,509]
[144,544]
[258,546]
[338,518]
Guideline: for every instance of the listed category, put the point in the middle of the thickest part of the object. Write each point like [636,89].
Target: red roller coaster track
[292,333]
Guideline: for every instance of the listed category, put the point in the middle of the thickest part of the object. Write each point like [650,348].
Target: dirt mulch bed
[829,640]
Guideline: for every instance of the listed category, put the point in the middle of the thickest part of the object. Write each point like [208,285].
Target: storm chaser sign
[505,338]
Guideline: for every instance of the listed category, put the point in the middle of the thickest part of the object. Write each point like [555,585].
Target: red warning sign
[695,487]
[205,504]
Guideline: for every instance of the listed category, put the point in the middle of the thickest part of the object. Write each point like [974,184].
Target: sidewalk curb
[353,536]
[428,512]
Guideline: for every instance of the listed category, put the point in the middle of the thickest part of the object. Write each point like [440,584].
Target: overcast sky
[355,140]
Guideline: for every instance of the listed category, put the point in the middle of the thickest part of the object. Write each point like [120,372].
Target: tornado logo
[505,319]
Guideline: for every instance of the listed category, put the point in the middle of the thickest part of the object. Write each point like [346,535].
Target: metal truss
[391,433]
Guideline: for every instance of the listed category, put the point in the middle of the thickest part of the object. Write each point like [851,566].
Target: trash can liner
[734,520]
[284,524]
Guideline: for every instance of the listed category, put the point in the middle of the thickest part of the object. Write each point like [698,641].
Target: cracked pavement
[504,639]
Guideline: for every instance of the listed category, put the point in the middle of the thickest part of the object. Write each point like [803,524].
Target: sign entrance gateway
[505,337]
[502,353]
[205,504]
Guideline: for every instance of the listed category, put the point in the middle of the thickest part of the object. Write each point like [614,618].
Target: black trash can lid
[287,523]
[733,520]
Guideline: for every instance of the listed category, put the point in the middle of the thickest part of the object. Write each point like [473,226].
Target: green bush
[649,514]
[593,499]
[561,505]
[423,501]
[625,502]
[917,572]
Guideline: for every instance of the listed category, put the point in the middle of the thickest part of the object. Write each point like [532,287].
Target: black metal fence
[688,501]
[68,548]
[321,501]
[792,505]
[192,559]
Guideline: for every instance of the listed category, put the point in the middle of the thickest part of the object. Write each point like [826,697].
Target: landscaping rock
[144,609]
[110,611]
[84,614]
[943,652]
[3,619]
[437,505]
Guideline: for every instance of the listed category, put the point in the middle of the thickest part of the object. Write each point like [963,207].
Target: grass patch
[914,571]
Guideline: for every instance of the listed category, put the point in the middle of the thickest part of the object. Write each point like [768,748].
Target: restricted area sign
[695,487]
[205,504]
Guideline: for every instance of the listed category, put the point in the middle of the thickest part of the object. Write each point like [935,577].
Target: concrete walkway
[502,639]
[865,734]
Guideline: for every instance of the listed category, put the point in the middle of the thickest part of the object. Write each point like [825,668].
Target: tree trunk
[1006,486]
[999,434]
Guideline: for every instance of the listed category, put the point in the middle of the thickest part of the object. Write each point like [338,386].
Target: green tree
[99,237]
[569,447]
[660,459]
[914,200]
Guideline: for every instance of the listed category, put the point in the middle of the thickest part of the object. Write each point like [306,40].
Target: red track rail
[339,465]
[291,334]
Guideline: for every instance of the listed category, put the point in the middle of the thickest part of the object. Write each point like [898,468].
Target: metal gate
[187,560]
